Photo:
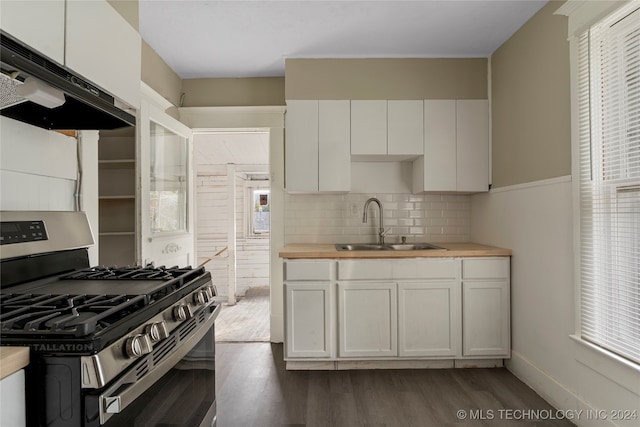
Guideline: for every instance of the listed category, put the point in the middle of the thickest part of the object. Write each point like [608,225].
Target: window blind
[609,158]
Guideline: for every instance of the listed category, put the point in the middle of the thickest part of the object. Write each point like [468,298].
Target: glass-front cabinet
[168,180]
[166,188]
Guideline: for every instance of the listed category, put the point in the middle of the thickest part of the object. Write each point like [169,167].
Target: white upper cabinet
[440,164]
[317,146]
[456,147]
[301,146]
[334,157]
[88,37]
[405,128]
[472,126]
[386,130]
[102,47]
[38,24]
[368,128]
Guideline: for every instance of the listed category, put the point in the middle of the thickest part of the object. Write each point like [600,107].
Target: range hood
[84,106]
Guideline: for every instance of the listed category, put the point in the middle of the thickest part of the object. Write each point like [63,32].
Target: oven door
[179,391]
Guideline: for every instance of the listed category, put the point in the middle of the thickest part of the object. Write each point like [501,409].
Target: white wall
[252,254]
[535,221]
[39,169]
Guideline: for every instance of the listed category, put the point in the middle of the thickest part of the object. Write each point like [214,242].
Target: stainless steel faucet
[381,231]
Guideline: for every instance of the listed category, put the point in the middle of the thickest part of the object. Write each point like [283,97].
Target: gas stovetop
[93,306]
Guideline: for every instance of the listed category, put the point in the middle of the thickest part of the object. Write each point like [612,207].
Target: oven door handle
[113,403]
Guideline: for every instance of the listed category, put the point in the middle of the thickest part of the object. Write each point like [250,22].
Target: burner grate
[76,315]
[128,273]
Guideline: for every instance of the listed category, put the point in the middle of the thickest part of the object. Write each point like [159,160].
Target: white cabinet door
[405,128]
[368,127]
[38,24]
[440,168]
[334,153]
[318,155]
[486,302]
[456,147]
[485,318]
[367,319]
[472,118]
[102,47]
[301,145]
[429,319]
[308,319]
[12,400]
[166,193]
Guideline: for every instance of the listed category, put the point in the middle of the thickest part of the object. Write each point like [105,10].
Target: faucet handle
[404,239]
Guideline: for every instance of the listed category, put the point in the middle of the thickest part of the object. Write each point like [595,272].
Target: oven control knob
[211,291]
[201,297]
[182,312]
[157,331]
[138,345]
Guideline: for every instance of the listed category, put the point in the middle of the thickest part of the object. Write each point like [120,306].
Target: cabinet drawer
[397,269]
[307,270]
[485,268]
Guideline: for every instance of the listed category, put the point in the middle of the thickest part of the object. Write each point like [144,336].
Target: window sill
[619,370]
[257,239]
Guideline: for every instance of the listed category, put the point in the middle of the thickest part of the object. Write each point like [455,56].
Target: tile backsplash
[338,218]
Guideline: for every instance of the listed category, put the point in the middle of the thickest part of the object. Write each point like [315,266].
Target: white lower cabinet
[405,309]
[485,316]
[429,319]
[367,319]
[486,306]
[309,309]
[308,320]
[12,400]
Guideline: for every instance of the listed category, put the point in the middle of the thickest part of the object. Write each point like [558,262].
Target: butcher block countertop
[315,251]
[12,359]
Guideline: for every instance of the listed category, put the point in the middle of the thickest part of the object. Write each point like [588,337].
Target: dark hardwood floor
[254,389]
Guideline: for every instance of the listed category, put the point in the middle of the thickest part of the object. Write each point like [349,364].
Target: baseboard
[297,365]
[555,393]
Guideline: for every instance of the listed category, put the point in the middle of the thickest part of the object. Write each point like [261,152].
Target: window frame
[250,187]
[582,15]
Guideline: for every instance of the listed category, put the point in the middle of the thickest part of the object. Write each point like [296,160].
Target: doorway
[233,227]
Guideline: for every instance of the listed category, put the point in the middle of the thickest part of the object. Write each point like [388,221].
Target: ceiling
[240,38]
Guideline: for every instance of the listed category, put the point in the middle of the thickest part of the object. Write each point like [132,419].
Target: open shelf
[117,200]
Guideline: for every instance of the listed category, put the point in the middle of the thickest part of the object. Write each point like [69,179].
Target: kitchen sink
[388,247]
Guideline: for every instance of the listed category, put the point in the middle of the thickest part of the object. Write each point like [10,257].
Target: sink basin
[388,247]
[415,247]
[361,247]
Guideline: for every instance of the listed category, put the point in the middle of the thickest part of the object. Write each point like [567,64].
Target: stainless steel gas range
[111,346]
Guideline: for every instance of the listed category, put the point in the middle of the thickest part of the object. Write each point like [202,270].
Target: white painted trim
[154,97]
[582,14]
[554,392]
[89,203]
[525,185]
[619,370]
[233,117]
[575,171]
[231,234]
[272,119]
[490,101]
